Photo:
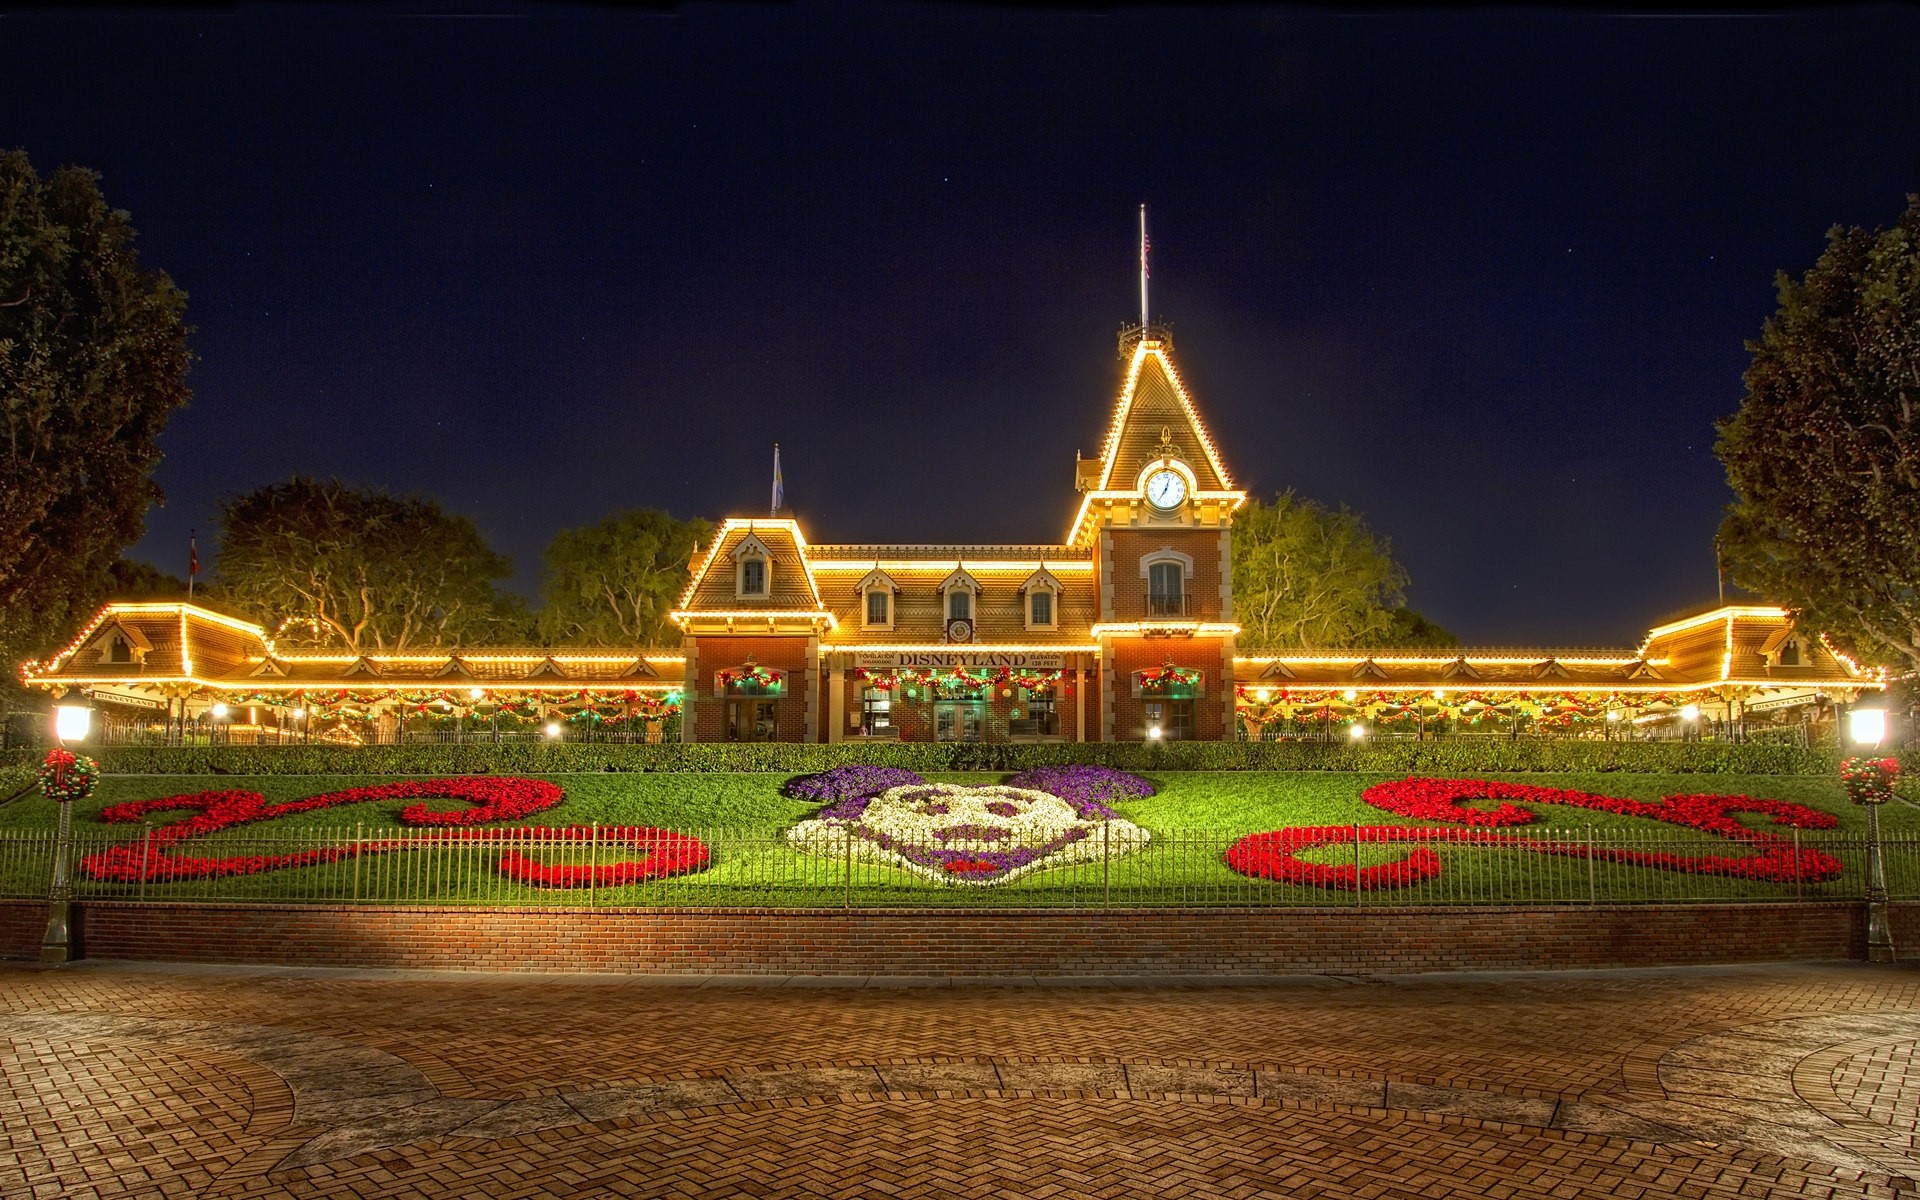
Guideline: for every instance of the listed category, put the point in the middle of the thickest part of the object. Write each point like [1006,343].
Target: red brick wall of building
[1130,587]
[788,655]
[1140,654]
[918,942]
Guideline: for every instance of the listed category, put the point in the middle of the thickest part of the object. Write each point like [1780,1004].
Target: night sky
[1485,278]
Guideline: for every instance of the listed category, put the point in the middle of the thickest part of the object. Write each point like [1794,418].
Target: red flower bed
[503,799]
[1275,855]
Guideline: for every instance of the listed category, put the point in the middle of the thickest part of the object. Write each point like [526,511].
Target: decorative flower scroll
[950,833]
[1869,780]
[153,859]
[1275,855]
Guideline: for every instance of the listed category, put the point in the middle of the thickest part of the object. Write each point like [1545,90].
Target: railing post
[146,858]
[1356,866]
[1592,886]
[1799,884]
[359,851]
[848,835]
[593,868]
[1106,862]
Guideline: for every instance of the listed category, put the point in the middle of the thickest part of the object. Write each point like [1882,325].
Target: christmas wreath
[68,776]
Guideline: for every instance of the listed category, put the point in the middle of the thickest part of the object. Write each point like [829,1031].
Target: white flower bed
[978,836]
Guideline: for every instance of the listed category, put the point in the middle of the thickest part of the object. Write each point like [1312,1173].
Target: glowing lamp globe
[72,717]
[1690,713]
[220,711]
[475,694]
[1154,733]
[1356,732]
[553,729]
[1867,726]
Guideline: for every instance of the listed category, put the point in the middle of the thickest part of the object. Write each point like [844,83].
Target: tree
[131,580]
[1309,577]
[1824,454]
[362,568]
[613,582]
[93,360]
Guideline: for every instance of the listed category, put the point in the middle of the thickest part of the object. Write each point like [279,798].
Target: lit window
[1042,602]
[959,606]
[753,577]
[876,608]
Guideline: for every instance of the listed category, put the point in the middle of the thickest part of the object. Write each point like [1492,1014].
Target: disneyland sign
[935,659]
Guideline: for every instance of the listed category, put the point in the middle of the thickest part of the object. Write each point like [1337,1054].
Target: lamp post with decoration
[64,778]
[1869,782]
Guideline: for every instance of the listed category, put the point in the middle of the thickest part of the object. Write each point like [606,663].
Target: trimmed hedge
[1384,757]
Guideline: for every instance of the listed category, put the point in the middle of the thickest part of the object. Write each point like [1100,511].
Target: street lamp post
[72,718]
[1866,727]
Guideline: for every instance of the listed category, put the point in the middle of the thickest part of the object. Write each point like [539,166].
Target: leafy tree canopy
[361,568]
[1309,577]
[1824,454]
[93,360]
[613,582]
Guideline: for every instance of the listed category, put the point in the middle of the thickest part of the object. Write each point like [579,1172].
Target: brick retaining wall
[922,942]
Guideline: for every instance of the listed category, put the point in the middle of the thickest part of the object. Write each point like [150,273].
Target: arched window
[1166,589]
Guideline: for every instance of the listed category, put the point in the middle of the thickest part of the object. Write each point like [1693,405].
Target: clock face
[1166,489]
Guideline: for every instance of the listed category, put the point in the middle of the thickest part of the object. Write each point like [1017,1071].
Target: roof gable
[1155,418]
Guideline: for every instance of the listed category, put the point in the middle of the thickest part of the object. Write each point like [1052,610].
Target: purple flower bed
[848,789]
[1088,788]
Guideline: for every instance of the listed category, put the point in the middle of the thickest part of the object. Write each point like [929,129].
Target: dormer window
[1042,593]
[1790,653]
[119,650]
[753,569]
[876,591]
[958,592]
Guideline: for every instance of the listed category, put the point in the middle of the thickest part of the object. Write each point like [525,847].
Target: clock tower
[1157,512]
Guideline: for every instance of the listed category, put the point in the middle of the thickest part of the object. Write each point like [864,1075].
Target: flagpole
[193,559]
[1143,270]
[777,488]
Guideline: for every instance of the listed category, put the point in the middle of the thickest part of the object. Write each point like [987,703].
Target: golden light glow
[961,647]
[1153,347]
[1433,660]
[528,657]
[1751,611]
[1195,628]
[1069,567]
[752,525]
[809,615]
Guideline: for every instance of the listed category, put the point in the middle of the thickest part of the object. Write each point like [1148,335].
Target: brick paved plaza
[1740,1081]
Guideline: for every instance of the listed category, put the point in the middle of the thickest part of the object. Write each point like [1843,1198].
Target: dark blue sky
[1483,277]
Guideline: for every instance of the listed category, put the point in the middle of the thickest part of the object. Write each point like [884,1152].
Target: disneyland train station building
[1123,631]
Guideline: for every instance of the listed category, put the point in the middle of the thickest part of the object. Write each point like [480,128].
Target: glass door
[959,720]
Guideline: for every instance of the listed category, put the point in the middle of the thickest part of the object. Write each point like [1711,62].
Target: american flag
[1145,245]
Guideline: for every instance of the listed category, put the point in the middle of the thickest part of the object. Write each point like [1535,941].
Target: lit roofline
[1621,660]
[963,648]
[1454,685]
[680,616]
[1727,613]
[751,523]
[1086,503]
[1154,347]
[1196,628]
[850,566]
[359,684]
[136,607]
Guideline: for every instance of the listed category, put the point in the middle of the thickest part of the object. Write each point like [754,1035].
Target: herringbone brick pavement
[123,1082]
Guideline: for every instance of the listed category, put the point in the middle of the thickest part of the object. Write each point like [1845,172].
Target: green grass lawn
[743,818]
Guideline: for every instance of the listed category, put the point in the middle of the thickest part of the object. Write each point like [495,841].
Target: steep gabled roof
[1154,402]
